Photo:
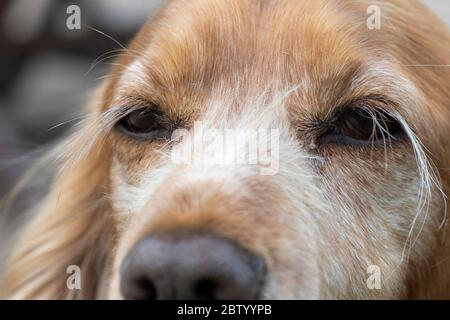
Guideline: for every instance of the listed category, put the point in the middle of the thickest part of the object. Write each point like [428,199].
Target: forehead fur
[205,41]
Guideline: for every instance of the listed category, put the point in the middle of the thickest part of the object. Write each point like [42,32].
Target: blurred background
[46,69]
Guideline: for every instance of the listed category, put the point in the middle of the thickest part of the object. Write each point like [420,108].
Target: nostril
[147,289]
[206,289]
[139,288]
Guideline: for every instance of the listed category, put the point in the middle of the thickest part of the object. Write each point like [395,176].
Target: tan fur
[326,215]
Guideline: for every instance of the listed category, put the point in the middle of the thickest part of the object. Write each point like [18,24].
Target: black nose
[191,266]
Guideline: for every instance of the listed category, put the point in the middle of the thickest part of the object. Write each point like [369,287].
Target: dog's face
[345,188]
[264,149]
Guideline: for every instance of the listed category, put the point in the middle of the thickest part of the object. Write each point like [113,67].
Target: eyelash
[360,125]
[147,124]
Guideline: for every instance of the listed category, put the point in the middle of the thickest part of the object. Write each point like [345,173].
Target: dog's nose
[191,266]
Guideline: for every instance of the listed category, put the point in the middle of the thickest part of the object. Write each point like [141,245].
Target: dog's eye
[361,126]
[357,126]
[147,123]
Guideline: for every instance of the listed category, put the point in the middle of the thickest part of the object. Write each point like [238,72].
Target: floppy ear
[68,228]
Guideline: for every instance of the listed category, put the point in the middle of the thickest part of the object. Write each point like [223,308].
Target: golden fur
[325,217]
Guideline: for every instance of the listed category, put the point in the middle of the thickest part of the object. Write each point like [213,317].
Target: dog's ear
[68,229]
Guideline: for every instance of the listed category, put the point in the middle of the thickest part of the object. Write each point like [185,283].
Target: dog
[344,198]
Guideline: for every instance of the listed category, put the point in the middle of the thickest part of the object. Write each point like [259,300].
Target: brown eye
[363,126]
[357,125]
[148,124]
